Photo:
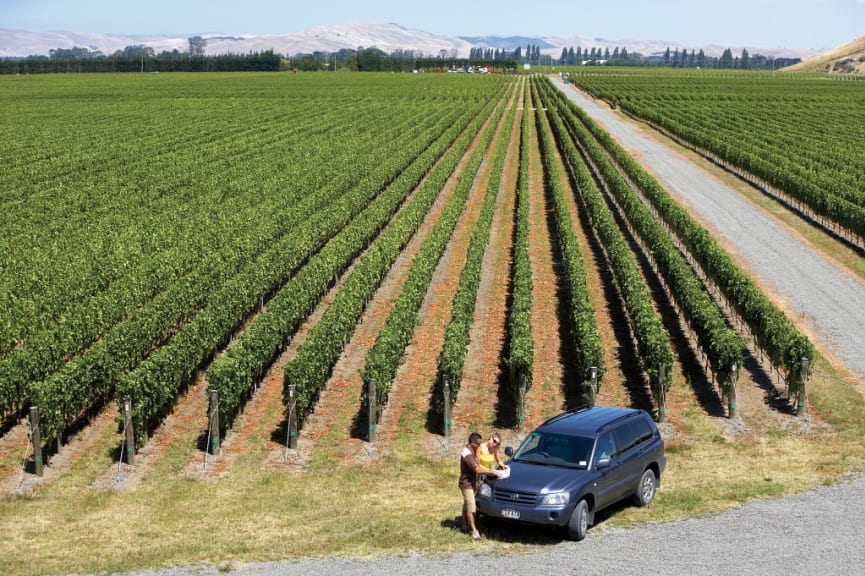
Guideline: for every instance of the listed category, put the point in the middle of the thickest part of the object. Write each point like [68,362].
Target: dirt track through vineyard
[546,396]
[484,375]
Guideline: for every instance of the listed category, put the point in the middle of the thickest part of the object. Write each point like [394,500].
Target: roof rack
[572,411]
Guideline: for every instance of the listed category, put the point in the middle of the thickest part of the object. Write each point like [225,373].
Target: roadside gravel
[816,532]
[826,302]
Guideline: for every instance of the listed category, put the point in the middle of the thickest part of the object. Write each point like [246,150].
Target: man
[470,471]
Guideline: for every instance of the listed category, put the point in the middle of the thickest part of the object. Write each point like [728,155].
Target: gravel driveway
[826,302]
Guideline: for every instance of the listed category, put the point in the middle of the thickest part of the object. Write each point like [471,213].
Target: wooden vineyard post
[213,429]
[128,433]
[291,425]
[36,438]
[802,397]
[731,397]
[661,399]
[446,390]
[521,402]
[372,410]
[593,385]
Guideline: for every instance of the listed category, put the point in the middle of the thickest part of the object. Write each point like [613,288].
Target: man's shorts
[469,505]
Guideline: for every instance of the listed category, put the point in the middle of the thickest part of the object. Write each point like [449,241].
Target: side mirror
[509,452]
[603,463]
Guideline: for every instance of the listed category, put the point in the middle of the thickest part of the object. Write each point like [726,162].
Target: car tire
[646,488]
[579,522]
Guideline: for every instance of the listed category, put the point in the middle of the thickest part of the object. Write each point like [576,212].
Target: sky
[818,24]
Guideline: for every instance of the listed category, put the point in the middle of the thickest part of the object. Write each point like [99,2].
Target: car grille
[514,497]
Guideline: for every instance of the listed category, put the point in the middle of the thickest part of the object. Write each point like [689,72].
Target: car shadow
[516,533]
[502,531]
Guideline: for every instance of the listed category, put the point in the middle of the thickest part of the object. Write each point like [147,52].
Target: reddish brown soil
[546,395]
[477,401]
[22,480]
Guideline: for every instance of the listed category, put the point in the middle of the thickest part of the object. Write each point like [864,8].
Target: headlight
[485,491]
[556,499]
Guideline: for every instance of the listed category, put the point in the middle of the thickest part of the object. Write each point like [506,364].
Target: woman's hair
[495,436]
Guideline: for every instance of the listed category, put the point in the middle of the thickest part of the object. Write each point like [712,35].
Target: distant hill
[387,37]
[848,58]
[333,38]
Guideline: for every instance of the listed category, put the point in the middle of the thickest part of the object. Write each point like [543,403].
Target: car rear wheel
[579,523]
[646,488]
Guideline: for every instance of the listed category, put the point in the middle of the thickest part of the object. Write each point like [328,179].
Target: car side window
[642,430]
[631,434]
[625,437]
[606,446]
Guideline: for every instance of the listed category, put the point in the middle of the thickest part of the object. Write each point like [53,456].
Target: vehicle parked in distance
[575,464]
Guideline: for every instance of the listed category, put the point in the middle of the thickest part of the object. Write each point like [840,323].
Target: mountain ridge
[332,38]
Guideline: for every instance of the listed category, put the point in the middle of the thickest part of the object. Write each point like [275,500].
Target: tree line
[672,59]
[141,58]
[620,56]
[376,60]
[165,62]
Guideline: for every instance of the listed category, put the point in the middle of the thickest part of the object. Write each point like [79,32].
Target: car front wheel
[646,489]
[579,523]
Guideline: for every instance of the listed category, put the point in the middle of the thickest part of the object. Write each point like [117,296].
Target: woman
[488,453]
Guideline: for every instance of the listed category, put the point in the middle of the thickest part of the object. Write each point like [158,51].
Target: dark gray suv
[575,464]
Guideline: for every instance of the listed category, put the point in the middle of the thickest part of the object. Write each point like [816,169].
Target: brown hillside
[845,59]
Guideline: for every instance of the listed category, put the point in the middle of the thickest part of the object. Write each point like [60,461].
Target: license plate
[512,514]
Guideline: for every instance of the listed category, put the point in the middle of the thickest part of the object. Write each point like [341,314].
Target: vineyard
[267,278]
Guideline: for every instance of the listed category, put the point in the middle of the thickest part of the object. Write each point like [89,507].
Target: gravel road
[827,303]
[816,532]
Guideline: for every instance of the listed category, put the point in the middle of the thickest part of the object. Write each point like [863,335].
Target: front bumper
[500,506]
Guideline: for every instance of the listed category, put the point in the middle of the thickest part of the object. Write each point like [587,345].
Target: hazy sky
[761,23]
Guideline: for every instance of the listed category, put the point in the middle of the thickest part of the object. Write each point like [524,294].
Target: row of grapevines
[588,348]
[800,137]
[383,358]
[721,344]
[315,358]
[226,299]
[172,304]
[91,198]
[104,230]
[652,341]
[235,373]
[80,324]
[155,383]
[520,357]
[784,344]
[458,330]
[823,200]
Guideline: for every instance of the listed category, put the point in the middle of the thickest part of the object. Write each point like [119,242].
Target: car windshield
[555,450]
